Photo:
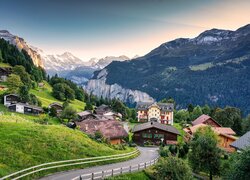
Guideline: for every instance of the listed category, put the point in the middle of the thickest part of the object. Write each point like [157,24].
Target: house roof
[84,113]
[110,129]
[16,95]
[156,125]
[55,103]
[224,130]
[162,106]
[243,142]
[201,119]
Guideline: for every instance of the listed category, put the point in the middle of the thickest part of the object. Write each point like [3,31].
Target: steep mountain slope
[22,45]
[212,68]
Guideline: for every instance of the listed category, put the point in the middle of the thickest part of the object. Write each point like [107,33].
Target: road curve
[147,154]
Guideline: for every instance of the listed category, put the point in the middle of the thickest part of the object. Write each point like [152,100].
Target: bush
[173,149]
[164,151]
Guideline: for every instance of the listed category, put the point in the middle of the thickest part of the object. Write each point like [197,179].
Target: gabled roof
[156,125]
[162,106]
[224,130]
[202,119]
[55,103]
[110,129]
[84,113]
[27,105]
[16,95]
[243,142]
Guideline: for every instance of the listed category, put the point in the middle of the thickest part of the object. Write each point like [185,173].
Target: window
[158,136]
[145,135]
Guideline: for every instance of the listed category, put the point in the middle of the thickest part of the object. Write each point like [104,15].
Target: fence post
[130,169]
[112,173]
[80,177]
[138,167]
[121,170]
[102,174]
[92,176]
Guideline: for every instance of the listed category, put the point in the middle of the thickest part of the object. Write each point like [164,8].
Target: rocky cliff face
[99,88]
[22,45]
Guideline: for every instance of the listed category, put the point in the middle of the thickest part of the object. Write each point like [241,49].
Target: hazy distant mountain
[213,68]
[21,44]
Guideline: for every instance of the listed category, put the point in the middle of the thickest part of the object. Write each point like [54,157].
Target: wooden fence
[66,163]
[116,171]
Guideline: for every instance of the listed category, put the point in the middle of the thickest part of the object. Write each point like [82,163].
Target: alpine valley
[212,68]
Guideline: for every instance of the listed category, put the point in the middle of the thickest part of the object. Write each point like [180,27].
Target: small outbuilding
[11,99]
[57,106]
[155,133]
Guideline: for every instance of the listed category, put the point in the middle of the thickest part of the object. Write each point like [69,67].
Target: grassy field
[131,176]
[25,144]
[45,96]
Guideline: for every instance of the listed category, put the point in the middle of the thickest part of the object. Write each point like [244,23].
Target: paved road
[147,154]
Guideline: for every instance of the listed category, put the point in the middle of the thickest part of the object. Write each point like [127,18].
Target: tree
[205,155]
[229,117]
[14,83]
[88,106]
[190,108]
[69,113]
[246,124]
[69,93]
[24,94]
[206,110]
[25,77]
[1,56]
[196,113]
[173,168]
[181,115]
[240,166]
[53,112]
[63,92]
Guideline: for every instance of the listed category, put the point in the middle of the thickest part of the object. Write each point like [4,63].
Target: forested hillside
[213,68]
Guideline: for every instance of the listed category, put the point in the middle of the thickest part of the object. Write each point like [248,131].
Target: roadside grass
[27,144]
[140,175]
[44,94]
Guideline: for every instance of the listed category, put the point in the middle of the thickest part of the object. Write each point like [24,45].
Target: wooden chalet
[25,109]
[101,110]
[111,130]
[155,133]
[4,73]
[11,99]
[205,119]
[57,106]
[225,135]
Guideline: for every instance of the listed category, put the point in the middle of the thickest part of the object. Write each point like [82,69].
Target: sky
[91,28]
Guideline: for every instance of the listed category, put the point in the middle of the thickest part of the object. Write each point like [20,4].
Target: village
[155,124]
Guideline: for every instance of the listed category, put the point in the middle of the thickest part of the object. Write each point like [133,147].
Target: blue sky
[114,27]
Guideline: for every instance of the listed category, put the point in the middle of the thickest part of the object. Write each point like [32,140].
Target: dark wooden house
[4,73]
[57,106]
[11,99]
[25,109]
[155,133]
[103,109]
[205,119]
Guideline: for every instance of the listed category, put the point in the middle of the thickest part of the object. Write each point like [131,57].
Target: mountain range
[212,68]
[65,65]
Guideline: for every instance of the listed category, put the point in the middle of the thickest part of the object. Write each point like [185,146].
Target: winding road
[147,154]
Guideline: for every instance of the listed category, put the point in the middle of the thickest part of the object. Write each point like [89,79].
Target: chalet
[112,130]
[4,73]
[100,110]
[25,108]
[86,115]
[155,133]
[205,119]
[242,143]
[57,106]
[225,135]
[11,99]
[160,112]
[113,115]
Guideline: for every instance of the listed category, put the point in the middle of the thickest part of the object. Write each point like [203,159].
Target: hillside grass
[44,94]
[131,176]
[25,144]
